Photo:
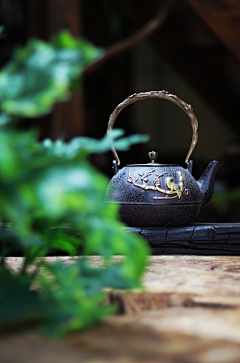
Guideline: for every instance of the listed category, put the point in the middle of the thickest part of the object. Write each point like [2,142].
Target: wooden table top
[190,312]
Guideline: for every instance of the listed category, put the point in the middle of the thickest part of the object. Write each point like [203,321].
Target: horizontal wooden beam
[195,239]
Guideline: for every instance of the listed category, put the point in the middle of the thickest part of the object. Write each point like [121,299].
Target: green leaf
[18,304]
[65,242]
[67,306]
[84,145]
[52,198]
[42,74]
[5,119]
[65,41]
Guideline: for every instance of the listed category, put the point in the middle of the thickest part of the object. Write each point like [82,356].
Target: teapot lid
[153,155]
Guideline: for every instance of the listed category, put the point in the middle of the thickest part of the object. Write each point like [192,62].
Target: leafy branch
[52,198]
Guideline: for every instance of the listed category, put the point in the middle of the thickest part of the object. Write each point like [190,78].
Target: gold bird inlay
[172,187]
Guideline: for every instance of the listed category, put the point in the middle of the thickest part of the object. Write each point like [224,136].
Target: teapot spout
[206,181]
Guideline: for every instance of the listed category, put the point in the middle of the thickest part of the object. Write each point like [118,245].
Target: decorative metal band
[157,94]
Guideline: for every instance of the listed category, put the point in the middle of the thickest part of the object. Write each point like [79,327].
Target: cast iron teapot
[153,194]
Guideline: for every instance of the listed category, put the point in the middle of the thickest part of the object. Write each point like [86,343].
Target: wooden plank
[223,18]
[44,19]
[65,14]
[190,312]
[135,339]
[68,117]
[196,238]
[37,17]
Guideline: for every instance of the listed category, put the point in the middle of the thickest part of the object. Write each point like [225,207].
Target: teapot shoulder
[149,171]
[154,184]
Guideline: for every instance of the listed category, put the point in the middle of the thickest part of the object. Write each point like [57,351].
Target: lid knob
[153,156]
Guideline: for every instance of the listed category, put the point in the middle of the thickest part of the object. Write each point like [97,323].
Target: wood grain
[190,312]
[194,239]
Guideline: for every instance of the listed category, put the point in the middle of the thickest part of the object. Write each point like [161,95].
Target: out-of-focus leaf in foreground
[56,202]
[89,145]
[41,74]
[52,198]
[18,304]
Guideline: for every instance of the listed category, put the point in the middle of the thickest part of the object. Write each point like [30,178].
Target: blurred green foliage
[52,198]
[41,74]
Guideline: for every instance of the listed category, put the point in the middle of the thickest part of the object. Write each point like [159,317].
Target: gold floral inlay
[172,187]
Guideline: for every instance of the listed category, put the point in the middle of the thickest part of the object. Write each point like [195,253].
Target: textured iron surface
[206,183]
[160,195]
[194,239]
[141,215]
[123,191]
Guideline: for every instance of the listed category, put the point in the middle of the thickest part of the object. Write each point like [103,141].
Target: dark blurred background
[194,53]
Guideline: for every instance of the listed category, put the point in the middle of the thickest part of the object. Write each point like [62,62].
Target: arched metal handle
[157,94]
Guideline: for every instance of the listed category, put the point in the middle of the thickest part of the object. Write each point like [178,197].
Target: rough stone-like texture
[190,312]
[194,239]
[155,215]
[142,206]
[160,195]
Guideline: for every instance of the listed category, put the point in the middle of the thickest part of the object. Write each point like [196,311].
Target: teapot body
[152,195]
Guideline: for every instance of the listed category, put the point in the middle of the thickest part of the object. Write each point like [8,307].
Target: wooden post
[45,18]
[68,117]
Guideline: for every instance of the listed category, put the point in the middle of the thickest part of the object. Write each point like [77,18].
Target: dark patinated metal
[160,194]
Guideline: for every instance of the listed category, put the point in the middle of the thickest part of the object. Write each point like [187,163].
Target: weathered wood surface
[190,312]
[223,18]
[195,239]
